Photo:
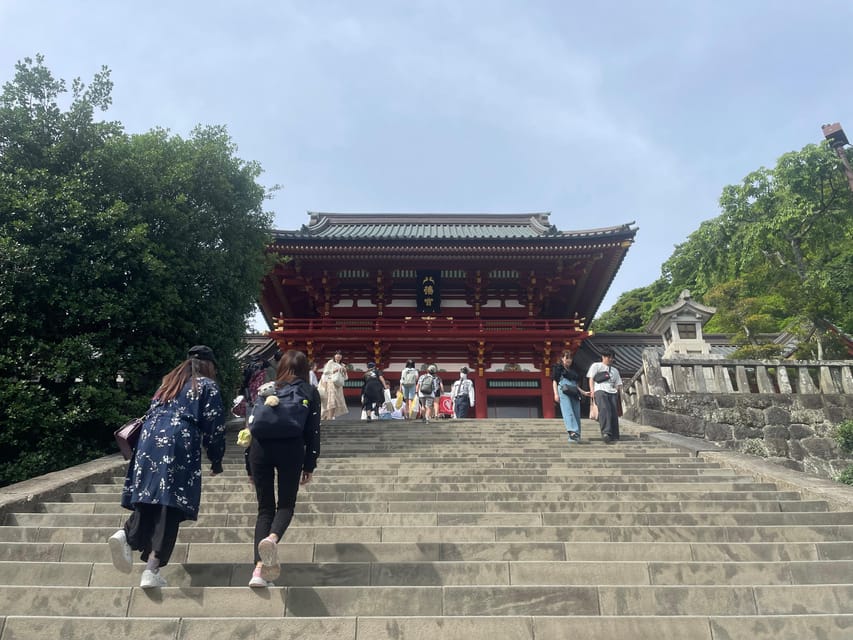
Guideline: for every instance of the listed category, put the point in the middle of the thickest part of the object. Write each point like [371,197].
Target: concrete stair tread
[106,504]
[741,512]
[350,551]
[473,600]
[506,573]
[523,627]
[547,533]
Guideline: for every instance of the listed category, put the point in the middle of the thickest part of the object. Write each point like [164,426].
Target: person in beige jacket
[331,388]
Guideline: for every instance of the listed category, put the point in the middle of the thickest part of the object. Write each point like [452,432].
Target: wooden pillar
[547,389]
[481,408]
[481,400]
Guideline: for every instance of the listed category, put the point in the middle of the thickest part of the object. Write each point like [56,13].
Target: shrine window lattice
[446,274]
[503,274]
[353,274]
[512,384]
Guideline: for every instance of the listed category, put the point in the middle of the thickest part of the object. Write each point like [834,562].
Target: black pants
[266,458]
[461,405]
[370,405]
[608,413]
[373,394]
[153,528]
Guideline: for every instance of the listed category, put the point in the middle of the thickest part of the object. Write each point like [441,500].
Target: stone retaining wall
[795,430]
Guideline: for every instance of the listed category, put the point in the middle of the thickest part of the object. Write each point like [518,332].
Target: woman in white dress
[332,388]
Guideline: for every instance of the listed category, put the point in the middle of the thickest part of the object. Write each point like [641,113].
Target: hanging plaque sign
[429,291]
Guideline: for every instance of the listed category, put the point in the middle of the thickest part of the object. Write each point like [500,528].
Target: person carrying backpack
[408,383]
[429,388]
[285,427]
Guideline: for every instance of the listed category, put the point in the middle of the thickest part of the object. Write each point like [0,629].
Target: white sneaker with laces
[152,580]
[120,551]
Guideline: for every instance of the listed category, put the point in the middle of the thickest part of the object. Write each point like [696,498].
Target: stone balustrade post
[655,383]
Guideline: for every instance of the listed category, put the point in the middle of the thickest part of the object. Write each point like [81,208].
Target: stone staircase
[486,529]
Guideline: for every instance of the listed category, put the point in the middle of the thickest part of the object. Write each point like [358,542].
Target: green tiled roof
[427,226]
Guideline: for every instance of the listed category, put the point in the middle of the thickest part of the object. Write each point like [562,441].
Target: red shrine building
[503,294]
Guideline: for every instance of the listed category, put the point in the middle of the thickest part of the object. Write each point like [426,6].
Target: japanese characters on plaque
[429,291]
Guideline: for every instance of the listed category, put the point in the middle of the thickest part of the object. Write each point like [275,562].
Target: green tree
[633,310]
[779,256]
[117,252]
[793,221]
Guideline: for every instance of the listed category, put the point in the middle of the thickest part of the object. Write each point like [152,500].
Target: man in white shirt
[462,393]
[605,384]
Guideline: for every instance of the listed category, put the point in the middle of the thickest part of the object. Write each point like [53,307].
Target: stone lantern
[680,326]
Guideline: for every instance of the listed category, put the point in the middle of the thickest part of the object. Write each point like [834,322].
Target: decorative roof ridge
[319,219]
[535,222]
[601,231]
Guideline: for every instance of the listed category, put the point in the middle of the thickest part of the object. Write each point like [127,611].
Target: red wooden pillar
[481,401]
[548,407]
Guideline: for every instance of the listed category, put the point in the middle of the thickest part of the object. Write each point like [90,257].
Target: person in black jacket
[372,391]
[293,459]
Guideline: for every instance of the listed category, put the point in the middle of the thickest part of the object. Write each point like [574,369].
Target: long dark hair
[292,366]
[175,380]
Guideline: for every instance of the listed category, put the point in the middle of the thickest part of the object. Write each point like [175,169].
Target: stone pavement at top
[476,529]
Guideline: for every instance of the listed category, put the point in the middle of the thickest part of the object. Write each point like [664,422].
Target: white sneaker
[120,551]
[257,582]
[152,580]
[268,551]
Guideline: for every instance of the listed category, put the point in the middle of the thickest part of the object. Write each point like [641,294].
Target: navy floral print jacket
[166,467]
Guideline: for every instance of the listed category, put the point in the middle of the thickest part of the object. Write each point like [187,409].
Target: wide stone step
[566,492]
[524,627]
[570,518]
[455,551]
[590,483]
[519,473]
[467,600]
[523,573]
[106,503]
[369,533]
[748,502]
[95,551]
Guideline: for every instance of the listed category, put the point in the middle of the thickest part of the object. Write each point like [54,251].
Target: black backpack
[287,419]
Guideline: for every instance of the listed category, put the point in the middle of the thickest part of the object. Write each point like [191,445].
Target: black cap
[464,370]
[202,352]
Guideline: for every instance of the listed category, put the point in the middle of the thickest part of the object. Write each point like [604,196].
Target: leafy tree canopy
[117,253]
[778,257]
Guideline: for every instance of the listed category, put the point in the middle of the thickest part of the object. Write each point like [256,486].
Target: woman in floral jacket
[163,482]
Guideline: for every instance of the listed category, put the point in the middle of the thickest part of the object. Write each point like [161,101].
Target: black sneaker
[574,436]
[606,437]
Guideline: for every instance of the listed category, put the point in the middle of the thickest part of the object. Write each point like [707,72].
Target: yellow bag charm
[244,438]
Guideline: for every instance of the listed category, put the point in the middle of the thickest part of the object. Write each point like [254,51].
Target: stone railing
[785,411]
[698,375]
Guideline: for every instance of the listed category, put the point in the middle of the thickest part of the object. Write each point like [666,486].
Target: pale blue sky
[600,114]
